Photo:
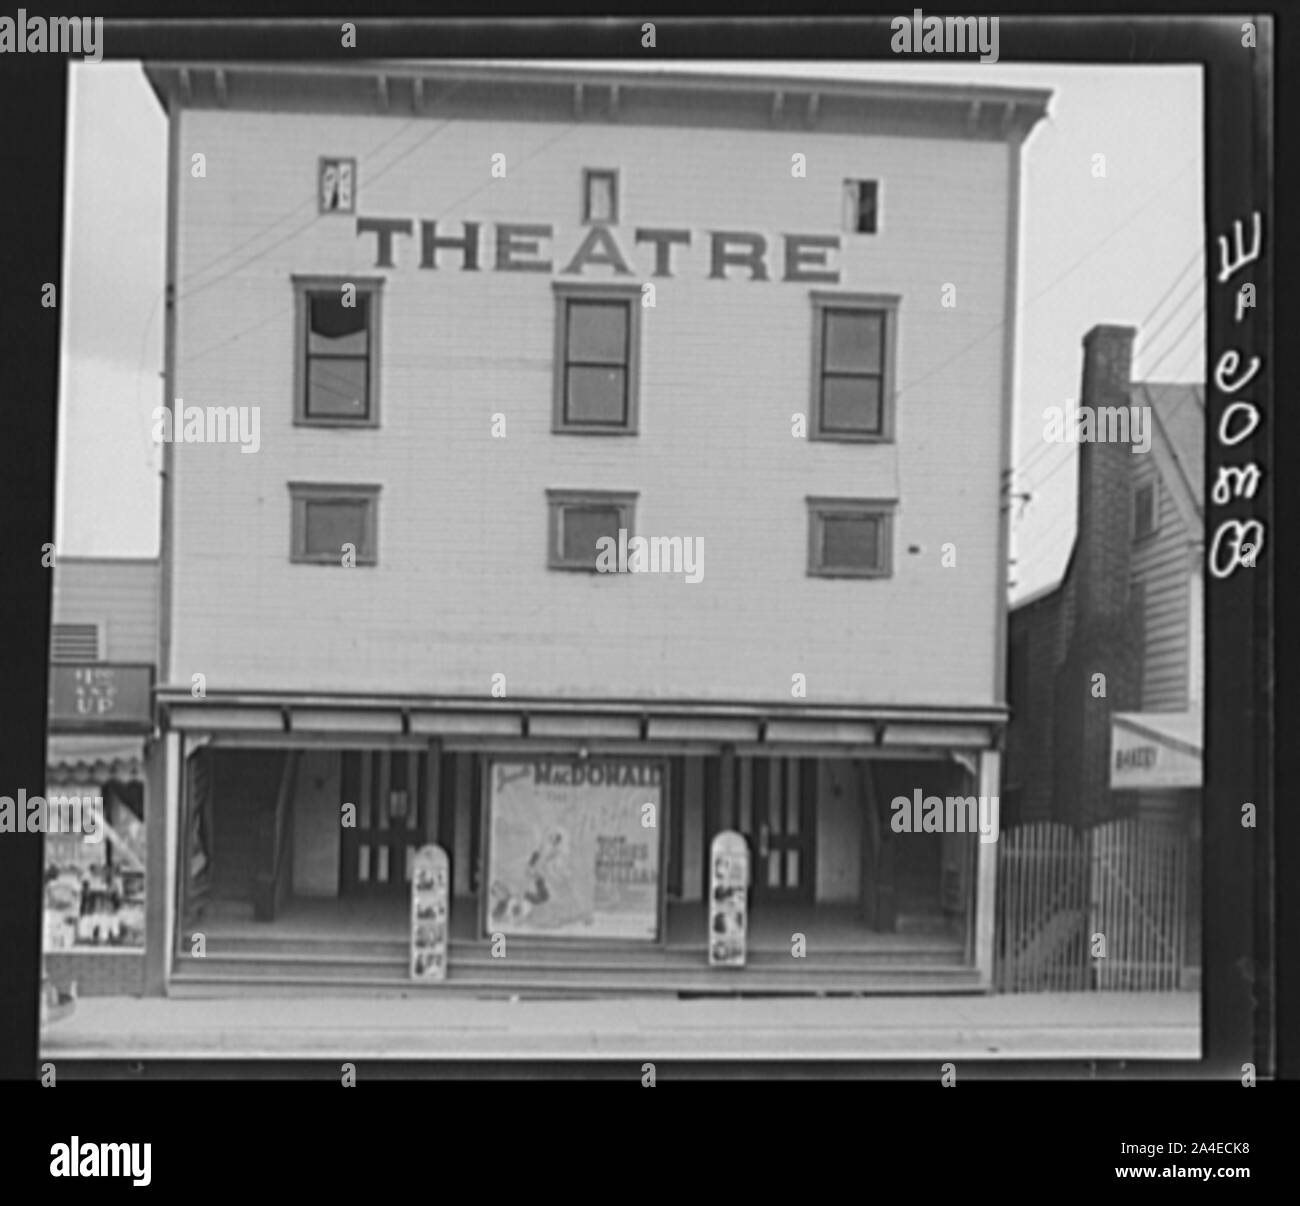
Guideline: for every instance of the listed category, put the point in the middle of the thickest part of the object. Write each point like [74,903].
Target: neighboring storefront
[100,724]
[1155,753]
[95,879]
[1107,667]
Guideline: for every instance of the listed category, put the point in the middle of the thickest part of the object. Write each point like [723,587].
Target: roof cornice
[468,91]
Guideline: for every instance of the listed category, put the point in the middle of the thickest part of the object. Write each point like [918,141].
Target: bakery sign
[1155,750]
[99,695]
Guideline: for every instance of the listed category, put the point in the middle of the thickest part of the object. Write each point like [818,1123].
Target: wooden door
[378,852]
[778,812]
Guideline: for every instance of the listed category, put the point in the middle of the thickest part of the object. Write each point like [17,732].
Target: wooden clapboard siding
[1162,565]
[462,585]
[119,594]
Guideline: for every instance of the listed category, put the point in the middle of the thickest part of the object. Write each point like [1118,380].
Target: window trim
[301,493]
[820,508]
[886,304]
[372,287]
[1154,485]
[852,227]
[558,499]
[565,292]
[587,175]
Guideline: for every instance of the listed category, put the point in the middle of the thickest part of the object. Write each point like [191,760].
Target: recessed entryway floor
[827,928]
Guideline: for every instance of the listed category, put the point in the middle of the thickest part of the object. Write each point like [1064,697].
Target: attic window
[337,178]
[1144,511]
[862,206]
[599,197]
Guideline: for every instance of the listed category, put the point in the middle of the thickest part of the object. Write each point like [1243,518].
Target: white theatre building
[481,318]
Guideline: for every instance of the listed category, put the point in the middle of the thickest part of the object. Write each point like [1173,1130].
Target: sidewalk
[1022,1026]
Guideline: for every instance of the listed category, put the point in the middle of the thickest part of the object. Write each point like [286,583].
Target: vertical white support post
[162,825]
[986,873]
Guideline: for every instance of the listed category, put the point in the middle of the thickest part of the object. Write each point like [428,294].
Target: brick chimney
[1104,517]
[1106,633]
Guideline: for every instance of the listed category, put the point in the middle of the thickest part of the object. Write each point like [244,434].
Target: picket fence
[1058,888]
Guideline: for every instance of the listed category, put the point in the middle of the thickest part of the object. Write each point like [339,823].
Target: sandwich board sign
[728,891]
[430,915]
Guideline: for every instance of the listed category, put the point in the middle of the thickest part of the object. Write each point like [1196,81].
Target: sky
[1122,248]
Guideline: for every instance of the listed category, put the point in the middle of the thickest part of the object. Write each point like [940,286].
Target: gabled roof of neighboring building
[1178,444]
[1044,592]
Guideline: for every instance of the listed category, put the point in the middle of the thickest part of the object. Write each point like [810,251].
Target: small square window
[1144,511]
[337,351]
[853,362]
[862,206]
[599,196]
[579,519]
[328,518]
[597,355]
[849,538]
[337,185]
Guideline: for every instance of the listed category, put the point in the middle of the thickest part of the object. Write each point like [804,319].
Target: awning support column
[986,873]
[160,808]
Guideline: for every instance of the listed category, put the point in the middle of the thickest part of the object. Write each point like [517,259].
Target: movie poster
[573,849]
[728,899]
[430,913]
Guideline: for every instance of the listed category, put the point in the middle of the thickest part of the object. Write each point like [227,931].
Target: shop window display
[94,885]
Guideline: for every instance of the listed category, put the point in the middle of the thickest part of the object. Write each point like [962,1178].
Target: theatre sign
[515,247]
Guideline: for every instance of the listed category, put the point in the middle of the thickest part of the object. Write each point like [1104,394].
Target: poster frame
[490,760]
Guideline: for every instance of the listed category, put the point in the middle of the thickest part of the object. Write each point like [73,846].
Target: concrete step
[561,950]
[545,955]
[216,981]
[523,963]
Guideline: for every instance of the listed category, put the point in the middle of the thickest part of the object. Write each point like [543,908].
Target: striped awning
[86,760]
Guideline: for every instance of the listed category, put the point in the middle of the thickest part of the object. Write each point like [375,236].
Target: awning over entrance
[89,760]
[286,717]
[1155,749]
